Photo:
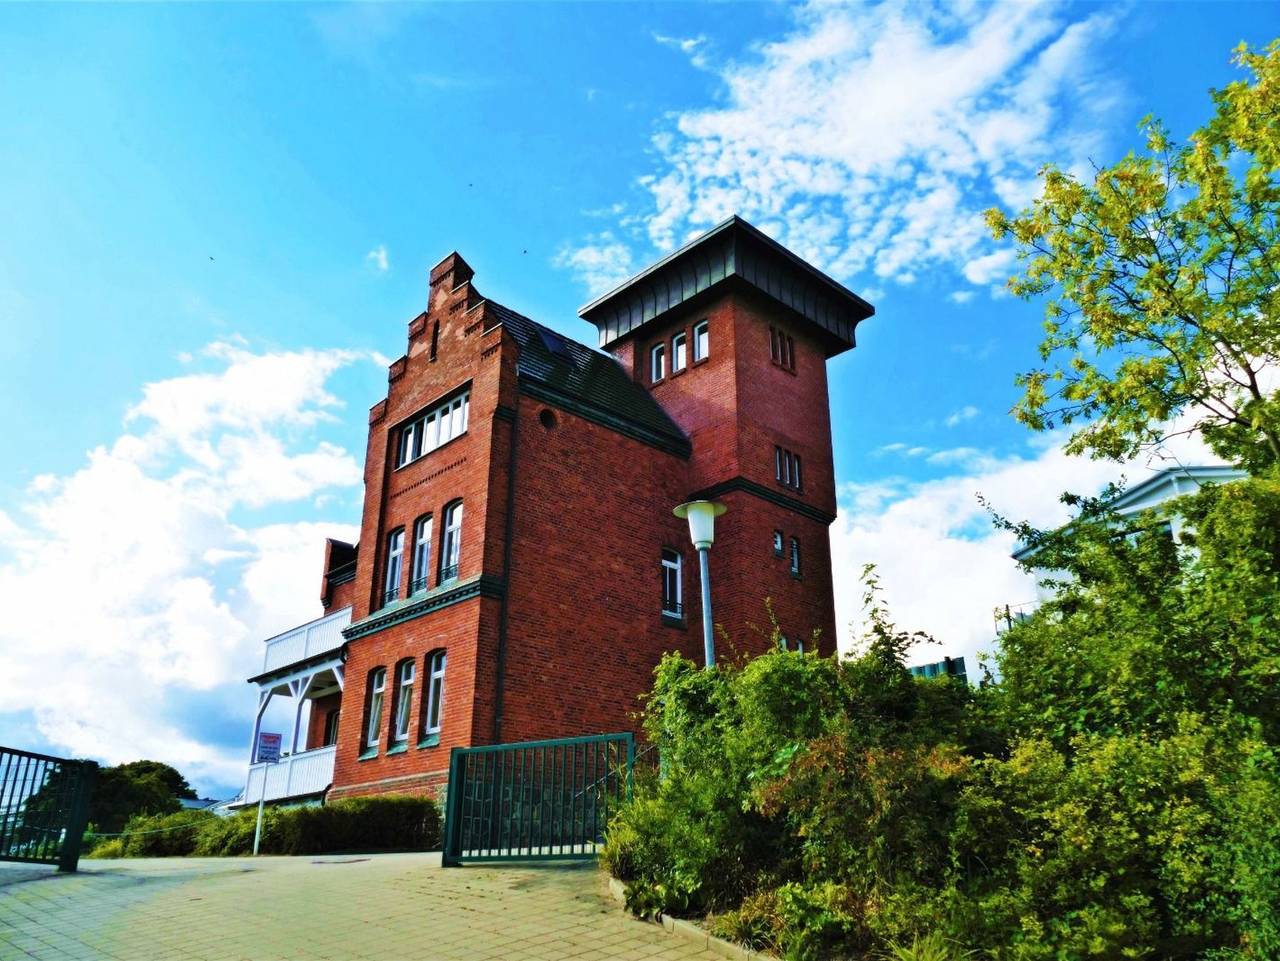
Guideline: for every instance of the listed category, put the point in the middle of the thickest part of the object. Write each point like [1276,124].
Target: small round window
[547,417]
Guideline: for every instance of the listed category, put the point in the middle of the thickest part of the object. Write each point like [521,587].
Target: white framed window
[795,556]
[331,727]
[701,341]
[395,560]
[377,691]
[679,352]
[657,362]
[672,594]
[786,468]
[405,678]
[436,427]
[777,543]
[451,546]
[433,709]
[421,555]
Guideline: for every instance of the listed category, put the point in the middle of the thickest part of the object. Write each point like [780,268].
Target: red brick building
[519,570]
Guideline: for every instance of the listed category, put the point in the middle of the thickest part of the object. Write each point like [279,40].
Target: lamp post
[702,529]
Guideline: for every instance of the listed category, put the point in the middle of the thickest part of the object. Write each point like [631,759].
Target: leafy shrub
[356,824]
[107,848]
[164,835]
[1116,794]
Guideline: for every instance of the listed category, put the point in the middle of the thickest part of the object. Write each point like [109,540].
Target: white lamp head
[702,520]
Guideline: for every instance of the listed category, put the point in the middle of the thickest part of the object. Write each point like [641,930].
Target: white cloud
[960,296]
[943,566]
[870,138]
[967,412]
[600,264]
[378,258]
[145,590]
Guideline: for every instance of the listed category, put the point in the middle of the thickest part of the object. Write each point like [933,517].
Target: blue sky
[221,218]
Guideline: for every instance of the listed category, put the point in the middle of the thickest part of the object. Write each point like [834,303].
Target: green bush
[357,824]
[1115,794]
[107,848]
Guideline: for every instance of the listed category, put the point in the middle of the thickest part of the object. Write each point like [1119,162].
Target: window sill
[673,620]
[701,361]
[796,577]
[678,372]
[431,740]
[398,749]
[369,754]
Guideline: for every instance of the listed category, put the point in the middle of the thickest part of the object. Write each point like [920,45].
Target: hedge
[394,823]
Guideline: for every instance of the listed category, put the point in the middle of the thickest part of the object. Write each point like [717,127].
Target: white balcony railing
[307,640]
[309,772]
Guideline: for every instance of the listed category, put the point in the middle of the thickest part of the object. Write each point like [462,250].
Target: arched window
[433,695]
[679,352]
[406,675]
[701,341]
[421,574]
[373,708]
[657,363]
[451,544]
[395,560]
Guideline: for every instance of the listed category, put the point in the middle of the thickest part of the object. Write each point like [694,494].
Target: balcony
[306,641]
[294,775]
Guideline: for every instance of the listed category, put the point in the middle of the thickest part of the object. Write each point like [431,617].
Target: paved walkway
[327,907]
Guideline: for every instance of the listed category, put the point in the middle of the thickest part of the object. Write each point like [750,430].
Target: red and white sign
[269,747]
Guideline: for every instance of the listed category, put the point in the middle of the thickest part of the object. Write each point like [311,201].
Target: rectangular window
[436,427]
[451,548]
[395,556]
[377,689]
[795,557]
[777,543]
[679,349]
[435,693]
[404,698]
[774,354]
[790,364]
[421,555]
[782,349]
[786,468]
[701,341]
[657,363]
[671,586]
[331,727]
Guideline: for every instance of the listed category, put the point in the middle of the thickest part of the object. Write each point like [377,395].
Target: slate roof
[587,382]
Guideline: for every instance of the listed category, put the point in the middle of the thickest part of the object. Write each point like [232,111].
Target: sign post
[268,752]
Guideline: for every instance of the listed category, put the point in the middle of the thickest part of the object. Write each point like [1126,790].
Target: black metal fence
[535,800]
[44,807]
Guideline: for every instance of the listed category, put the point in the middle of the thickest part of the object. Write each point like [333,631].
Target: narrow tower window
[795,557]
[678,352]
[701,341]
[657,363]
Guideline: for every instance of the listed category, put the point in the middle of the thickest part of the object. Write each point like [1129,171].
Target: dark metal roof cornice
[731,250]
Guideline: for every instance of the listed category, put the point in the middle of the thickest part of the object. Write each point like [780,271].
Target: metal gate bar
[44,807]
[535,799]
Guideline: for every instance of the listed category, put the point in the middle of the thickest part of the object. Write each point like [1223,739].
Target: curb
[694,933]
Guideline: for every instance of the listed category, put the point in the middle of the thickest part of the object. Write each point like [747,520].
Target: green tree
[138,787]
[1164,277]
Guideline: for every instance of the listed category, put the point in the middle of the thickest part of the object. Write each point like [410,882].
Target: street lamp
[702,529]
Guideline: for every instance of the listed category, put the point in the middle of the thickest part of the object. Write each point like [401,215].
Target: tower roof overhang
[731,254]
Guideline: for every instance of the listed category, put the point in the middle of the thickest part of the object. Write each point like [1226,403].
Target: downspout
[501,665]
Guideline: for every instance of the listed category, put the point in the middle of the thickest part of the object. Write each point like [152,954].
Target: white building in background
[1155,490]
[1151,493]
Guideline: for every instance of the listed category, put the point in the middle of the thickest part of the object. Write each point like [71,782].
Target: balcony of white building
[304,664]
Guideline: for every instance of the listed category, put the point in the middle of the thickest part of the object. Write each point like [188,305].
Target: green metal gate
[44,807]
[535,800]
